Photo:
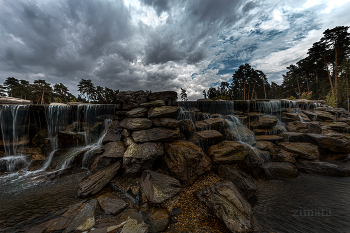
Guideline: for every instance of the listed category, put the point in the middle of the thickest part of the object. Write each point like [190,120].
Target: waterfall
[57,119]
[15,136]
[239,131]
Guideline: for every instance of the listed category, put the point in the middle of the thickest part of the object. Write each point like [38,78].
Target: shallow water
[26,201]
[308,203]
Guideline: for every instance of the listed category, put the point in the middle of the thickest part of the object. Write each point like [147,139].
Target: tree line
[323,74]
[247,84]
[41,92]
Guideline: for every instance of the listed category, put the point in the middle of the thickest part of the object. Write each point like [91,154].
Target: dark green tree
[87,88]
[183,95]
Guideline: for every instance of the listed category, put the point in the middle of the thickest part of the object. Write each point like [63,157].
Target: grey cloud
[159,5]
[249,6]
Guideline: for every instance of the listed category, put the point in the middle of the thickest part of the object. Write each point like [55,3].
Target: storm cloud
[156,44]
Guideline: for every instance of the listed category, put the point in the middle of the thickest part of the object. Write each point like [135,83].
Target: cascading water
[95,121]
[15,136]
[57,118]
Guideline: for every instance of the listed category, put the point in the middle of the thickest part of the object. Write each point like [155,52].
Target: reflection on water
[26,201]
[307,204]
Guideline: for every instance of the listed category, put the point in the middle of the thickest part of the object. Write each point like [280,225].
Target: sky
[158,45]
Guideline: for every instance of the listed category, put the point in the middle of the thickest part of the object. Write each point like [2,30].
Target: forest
[41,92]
[322,74]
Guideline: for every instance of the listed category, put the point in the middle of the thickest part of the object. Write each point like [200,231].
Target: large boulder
[325,116]
[158,187]
[169,97]
[186,127]
[114,150]
[155,103]
[238,178]
[139,157]
[311,115]
[186,161]
[267,146]
[228,152]
[293,137]
[322,168]
[270,138]
[280,170]
[70,139]
[254,165]
[114,133]
[265,122]
[166,122]
[137,97]
[206,138]
[96,181]
[333,144]
[112,204]
[85,219]
[65,220]
[163,111]
[156,134]
[273,130]
[158,219]
[284,156]
[297,126]
[302,149]
[215,123]
[137,112]
[227,203]
[136,123]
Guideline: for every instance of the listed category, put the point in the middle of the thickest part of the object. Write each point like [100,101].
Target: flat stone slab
[302,149]
[270,138]
[111,203]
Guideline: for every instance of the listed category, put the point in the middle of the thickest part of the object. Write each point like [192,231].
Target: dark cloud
[133,47]
[159,5]
[249,6]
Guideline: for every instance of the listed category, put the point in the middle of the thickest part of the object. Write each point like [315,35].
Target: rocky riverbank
[165,169]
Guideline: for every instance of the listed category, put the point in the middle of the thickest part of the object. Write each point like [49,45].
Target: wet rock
[139,157]
[85,219]
[226,202]
[271,138]
[274,130]
[135,224]
[314,127]
[242,181]
[166,122]
[137,112]
[63,221]
[297,126]
[280,170]
[70,139]
[125,133]
[284,156]
[186,127]
[207,138]
[128,141]
[169,97]
[265,122]
[215,123]
[312,116]
[41,138]
[338,126]
[158,219]
[293,137]
[163,112]
[267,146]
[129,106]
[96,181]
[158,187]
[302,149]
[201,125]
[156,134]
[114,150]
[136,123]
[113,133]
[325,116]
[193,109]
[156,103]
[186,161]
[331,143]
[228,152]
[322,168]
[111,203]
[132,96]
[254,165]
